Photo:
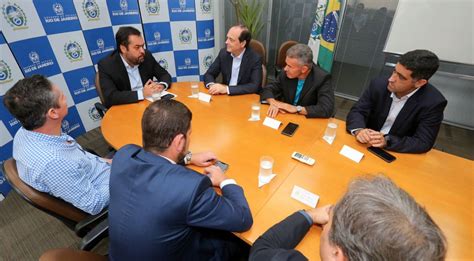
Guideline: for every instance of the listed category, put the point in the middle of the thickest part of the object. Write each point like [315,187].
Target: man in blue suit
[161,210]
[402,113]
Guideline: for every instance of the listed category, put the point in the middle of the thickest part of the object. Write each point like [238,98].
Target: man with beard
[161,210]
[130,73]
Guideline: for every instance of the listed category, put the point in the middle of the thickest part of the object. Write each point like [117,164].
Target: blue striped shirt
[59,166]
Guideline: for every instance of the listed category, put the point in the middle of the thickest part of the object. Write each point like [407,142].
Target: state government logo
[58,9]
[157,36]
[14,16]
[206,6]
[73,51]
[5,72]
[207,61]
[94,114]
[163,63]
[152,7]
[123,5]
[185,36]
[65,126]
[91,9]
[34,57]
[187,61]
[182,4]
[100,43]
[84,83]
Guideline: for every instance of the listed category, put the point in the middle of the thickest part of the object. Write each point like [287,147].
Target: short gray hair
[302,52]
[376,220]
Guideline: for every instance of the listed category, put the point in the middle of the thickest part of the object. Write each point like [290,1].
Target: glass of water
[331,129]
[194,90]
[255,111]
[266,166]
[156,95]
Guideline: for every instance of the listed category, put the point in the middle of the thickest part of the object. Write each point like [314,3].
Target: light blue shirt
[299,88]
[59,166]
[236,61]
[135,80]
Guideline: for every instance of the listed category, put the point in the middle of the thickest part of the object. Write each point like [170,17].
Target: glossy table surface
[441,182]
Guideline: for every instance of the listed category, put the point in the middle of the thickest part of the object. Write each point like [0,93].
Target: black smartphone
[382,154]
[290,129]
[222,165]
[168,96]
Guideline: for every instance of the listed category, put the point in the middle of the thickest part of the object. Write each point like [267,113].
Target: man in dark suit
[402,113]
[160,210]
[240,66]
[302,87]
[130,73]
[374,220]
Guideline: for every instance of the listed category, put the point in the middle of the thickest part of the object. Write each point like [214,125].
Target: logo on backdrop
[73,51]
[158,40]
[152,7]
[14,16]
[207,36]
[207,61]
[67,128]
[163,63]
[34,57]
[94,114]
[185,36]
[123,5]
[187,65]
[100,43]
[91,10]
[86,86]
[5,72]
[60,16]
[182,8]
[205,5]
[36,62]
[58,9]
[101,48]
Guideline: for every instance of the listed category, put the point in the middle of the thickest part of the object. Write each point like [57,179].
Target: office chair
[84,225]
[100,106]
[258,47]
[281,56]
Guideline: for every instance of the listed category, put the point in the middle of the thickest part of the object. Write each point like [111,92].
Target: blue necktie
[299,87]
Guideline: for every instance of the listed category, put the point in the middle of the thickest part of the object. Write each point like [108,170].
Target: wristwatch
[299,109]
[187,158]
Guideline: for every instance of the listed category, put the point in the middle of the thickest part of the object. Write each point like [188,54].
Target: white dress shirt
[135,79]
[395,108]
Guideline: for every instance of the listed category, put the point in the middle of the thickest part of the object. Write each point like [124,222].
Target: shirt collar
[63,138]
[240,55]
[170,160]
[395,98]
[127,66]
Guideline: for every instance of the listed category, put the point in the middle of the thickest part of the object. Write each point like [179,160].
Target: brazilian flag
[328,34]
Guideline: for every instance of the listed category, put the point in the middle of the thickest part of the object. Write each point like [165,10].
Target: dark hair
[162,121]
[30,99]
[121,38]
[245,35]
[376,220]
[422,63]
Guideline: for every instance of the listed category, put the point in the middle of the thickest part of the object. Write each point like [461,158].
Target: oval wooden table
[441,182]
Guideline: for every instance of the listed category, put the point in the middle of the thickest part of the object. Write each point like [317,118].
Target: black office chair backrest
[56,207]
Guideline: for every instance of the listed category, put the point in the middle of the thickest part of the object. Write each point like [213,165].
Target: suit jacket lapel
[121,70]
[407,110]
[242,65]
[308,83]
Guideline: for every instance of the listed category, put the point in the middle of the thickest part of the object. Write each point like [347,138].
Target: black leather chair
[91,228]
[100,106]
